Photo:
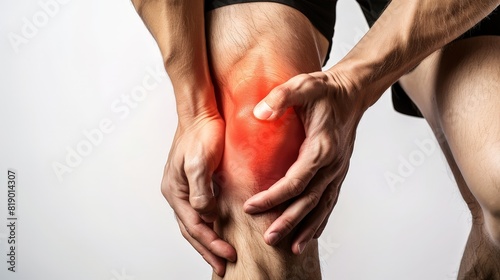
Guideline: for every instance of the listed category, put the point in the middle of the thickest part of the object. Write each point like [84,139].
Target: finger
[323,225]
[295,92]
[325,221]
[202,233]
[201,195]
[315,219]
[299,209]
[291,185]
[217,263]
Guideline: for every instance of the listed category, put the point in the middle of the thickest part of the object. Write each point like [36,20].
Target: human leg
[457,91]
[253,48]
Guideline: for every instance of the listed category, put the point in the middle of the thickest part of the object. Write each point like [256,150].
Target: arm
[179,30]
[405,34]
[331,104]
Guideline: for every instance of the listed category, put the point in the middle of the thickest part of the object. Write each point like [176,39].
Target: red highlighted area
[257,153]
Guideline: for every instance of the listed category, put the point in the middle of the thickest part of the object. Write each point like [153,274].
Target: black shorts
[321,13]
[402,103]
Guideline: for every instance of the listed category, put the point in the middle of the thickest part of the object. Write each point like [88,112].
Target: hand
[187,185]
[330,115]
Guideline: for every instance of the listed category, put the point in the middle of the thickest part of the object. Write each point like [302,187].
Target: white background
[106,219]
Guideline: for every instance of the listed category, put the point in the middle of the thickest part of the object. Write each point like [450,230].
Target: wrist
[195,105]
[352,79]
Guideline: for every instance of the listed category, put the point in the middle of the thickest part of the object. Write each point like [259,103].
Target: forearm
[406,33]
[179,30]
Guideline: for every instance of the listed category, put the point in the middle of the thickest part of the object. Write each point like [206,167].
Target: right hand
[330,109]
[187,185]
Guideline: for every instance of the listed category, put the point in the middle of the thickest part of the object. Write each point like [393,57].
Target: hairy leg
[252,48]
[458,91]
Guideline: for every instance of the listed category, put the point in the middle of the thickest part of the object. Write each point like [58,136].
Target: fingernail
[215,189]
[302,246]
[273,237]
[262,111]
[217,272]
[250,209]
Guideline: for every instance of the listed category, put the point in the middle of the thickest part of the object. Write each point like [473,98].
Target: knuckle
[326,141]
[300,80]
[321,151]
[313,199]
[318,83]
[184,230]
[279,98]
[192,232]
[165,189]
[268,203]
[195,166]
[315,151]
[168,182]
[287,225]
[185,233]
[201,203]
[317,156]
[310,82]
[296,187]
[331,199]
[211,246]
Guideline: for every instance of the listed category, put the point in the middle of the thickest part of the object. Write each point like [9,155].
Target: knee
[483,179]
[489,172]
[258,150]
[264,150]
[492,225]
[491,204]
[491,215]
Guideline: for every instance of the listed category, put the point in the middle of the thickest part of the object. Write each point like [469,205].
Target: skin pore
[246,63]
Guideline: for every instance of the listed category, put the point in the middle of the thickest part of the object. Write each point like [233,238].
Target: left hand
[187,185]
[330,114]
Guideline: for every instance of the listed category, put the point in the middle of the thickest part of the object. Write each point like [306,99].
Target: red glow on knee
[257,153]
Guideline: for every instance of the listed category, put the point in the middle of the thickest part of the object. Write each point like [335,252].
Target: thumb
[201,195]
[295,92]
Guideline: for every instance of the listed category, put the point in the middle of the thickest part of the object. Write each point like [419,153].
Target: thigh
[254,47]
[458,91]
[279,34]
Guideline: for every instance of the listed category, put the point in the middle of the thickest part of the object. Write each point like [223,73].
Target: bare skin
[457,91]
[258,153]
[405,34]
[196,151]
[330,105]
